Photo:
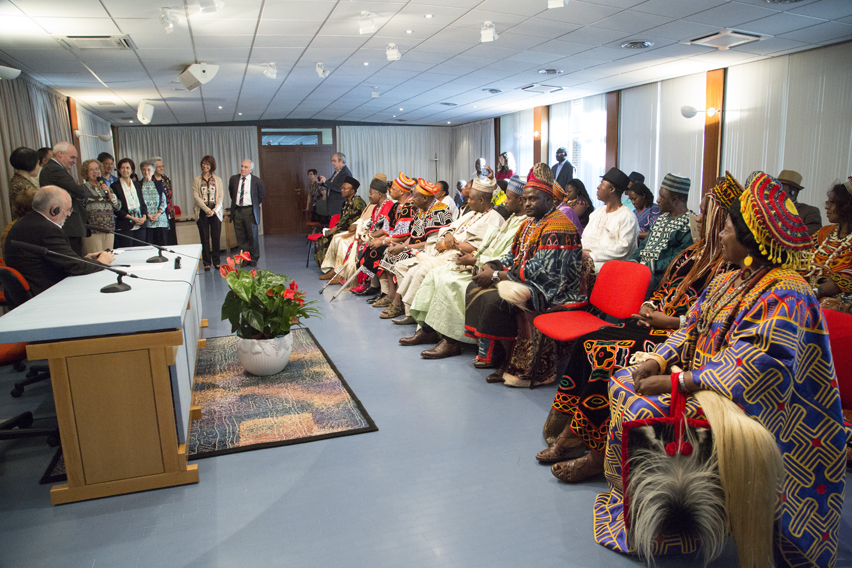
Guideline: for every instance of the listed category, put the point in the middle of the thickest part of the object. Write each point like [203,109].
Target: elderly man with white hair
[55,172]
[42,227]
[247,193]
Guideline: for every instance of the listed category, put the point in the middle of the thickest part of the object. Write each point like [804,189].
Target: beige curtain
[31,115]
[92,124]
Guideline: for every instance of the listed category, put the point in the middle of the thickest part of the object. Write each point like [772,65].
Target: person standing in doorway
[247,192]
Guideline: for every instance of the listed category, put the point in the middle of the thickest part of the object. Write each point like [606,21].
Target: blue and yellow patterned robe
[775,363]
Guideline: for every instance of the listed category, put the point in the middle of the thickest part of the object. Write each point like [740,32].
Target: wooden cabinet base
[61,494]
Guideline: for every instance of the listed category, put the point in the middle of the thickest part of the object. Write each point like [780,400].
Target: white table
[122,367]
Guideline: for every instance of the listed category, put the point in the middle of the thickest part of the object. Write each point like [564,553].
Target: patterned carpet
[309,400]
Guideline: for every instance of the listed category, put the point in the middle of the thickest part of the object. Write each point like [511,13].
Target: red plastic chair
[314,237]
[619,291]
[839,327]
[177,210]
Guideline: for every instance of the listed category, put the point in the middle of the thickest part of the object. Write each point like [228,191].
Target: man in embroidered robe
[438,305]
[464,235]
[542,269]
[673,231]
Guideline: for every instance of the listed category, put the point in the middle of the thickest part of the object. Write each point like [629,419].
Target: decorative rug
[309,400]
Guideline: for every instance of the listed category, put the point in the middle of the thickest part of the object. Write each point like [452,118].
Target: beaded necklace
[529,230]
[842,247]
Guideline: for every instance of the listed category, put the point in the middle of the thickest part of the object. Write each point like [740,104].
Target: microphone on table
[110,288]
[160,249]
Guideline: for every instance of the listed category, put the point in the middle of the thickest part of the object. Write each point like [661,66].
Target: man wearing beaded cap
[542,269]
[755,347]
[673,231]
[429,217]
[462,236]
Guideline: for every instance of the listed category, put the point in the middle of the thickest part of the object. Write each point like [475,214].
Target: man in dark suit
[55,172]
[563,170]
[247,192]
[42,226]
[332,185]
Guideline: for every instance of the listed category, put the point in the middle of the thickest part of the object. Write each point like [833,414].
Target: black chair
[16,291]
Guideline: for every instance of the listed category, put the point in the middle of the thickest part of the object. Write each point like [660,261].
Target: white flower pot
[264,357]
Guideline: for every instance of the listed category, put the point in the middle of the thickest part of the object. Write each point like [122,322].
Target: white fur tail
[515,293]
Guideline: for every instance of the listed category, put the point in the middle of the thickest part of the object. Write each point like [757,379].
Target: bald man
[55,172]
[52,207]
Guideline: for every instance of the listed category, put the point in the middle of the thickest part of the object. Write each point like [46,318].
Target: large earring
[748,260]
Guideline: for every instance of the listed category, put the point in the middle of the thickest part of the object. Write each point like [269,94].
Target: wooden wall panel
[612,104]
[713,129]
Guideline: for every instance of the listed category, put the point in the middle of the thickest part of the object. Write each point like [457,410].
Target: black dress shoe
[375,299]
[372,291]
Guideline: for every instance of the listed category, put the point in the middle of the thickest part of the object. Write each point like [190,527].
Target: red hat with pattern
[541,178]
[404,183]
[426,188]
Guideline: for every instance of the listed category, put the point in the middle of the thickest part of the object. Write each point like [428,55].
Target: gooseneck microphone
[110,288]
[160,249]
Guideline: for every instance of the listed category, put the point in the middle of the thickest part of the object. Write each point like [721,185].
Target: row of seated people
[733,325]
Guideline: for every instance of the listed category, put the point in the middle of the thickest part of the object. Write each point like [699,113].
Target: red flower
[225,270]
[293,285]
[244,256]
[253,273]
[270,293]
[301,301]
[230,261]
[288,294]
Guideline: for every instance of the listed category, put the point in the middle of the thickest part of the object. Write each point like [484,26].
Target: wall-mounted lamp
[690,111]
[536,134]
[101,137]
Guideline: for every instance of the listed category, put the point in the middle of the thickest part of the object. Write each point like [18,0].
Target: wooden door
[284,171]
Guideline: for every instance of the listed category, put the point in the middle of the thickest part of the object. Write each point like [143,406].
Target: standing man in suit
[52,207]
[563,170]
[55,172]
[247,192]
[333,185]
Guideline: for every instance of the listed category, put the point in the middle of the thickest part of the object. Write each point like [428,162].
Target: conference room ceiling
[442,59]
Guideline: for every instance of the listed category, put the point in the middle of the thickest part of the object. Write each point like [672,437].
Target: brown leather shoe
[495,377]
[443,350]
[419,338]
[578,470]
[328,275]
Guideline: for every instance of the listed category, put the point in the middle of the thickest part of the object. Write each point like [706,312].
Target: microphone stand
[153,259]
[118,286]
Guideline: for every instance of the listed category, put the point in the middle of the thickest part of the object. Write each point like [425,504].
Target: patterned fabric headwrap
[486,185]
[515,185]
[426,188]
[541,178]
[848,184]
[772,218]
[728,190]
[558,192]
[404,183]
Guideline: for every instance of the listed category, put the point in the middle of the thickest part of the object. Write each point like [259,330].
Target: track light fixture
[488,32]
[368,25]
[321,71]
[271,70]
[393,52]
[167,19]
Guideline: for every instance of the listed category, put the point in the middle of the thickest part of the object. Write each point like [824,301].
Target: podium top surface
[76,308]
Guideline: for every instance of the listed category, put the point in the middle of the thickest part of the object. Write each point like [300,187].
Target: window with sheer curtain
[579,126]
[516,136]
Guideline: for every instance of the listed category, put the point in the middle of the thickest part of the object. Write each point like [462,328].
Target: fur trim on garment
[515,293]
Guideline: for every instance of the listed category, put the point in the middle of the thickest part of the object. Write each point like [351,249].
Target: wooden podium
[121,374]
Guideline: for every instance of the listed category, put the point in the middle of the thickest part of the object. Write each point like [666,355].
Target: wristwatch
[495,277]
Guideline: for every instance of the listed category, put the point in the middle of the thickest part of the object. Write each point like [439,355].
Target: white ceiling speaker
[393,52]
[198,74]
[271,70]
[367,24]
[488,32]
[145,112]
[101,137]
[9,73]
[322,71]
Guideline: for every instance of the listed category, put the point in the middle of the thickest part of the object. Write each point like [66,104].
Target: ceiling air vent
[725,39]
[116,112]
[493,91]
[106,103]
[638,44]
[118,42]
[401,120]
[449,104]
[541,89]
[550,71]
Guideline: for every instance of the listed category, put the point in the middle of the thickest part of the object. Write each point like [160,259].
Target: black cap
[636,177]
[617,178]
[379,185]
[352,181]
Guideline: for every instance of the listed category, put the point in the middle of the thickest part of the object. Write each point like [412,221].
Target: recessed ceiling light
[448,122]
[550,71]
[409,31]
[239,113]
[474,106]
[428,16]
[220,108]
[129,121]
[400,109]
[394,116]
[637,44]
[366,63]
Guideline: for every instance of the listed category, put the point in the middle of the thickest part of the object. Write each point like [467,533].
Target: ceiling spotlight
[551,4]
[392,52]
[400,109]
[239,113]
[208,6]
[366,63]
[409,31]
[321,71]
[271,70]
[428,16]
[448,122]
[375,93]
[167,20]
[220,108]
[367,25]
[489,32]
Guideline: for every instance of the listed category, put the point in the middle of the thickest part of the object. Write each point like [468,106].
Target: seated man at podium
[42,227]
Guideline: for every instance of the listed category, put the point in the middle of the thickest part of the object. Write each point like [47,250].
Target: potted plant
[262,306]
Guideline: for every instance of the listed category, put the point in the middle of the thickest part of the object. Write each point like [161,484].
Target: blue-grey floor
[450,478]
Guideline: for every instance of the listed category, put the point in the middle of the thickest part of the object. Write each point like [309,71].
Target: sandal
[394,310]
[559,453]
[578,470]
